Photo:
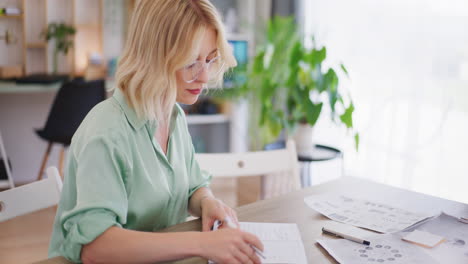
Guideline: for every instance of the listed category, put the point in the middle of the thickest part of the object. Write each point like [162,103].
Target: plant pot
[304,139]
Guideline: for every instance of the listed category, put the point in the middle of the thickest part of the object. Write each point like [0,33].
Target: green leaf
[356,141]
[347,116]
[322,55]
[291,81]
[61,33]
[263,115]
[344,69]
[316,57]
[270,50]
[312,111]
[267,91]
[330,82]
[296,54]
[272,122]
[303,78]
[275,126]
[258,63]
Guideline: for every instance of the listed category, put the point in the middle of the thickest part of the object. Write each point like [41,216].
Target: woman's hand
[230,245]
[214,209]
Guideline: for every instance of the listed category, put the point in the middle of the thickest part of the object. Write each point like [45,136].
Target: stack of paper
[361,213]
[391,248]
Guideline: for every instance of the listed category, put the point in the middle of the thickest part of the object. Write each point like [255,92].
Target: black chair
[71,104]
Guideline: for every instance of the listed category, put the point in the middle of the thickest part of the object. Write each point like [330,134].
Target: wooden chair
[280,167]
[31,197]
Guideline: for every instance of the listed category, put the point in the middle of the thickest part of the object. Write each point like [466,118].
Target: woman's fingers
[233,215]
[250,252]
[231,246]
[207,223]
[253,240]
[255,258]
[242,257]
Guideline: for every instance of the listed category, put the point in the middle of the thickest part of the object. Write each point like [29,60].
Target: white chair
[31,197]
[281,167]
[11,184]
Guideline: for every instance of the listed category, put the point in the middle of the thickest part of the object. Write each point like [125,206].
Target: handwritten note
[282,242]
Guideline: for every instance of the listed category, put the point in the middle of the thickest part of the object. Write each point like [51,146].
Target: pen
[345,236]
[230,224]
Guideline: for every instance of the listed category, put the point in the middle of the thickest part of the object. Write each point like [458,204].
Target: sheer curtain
[408,65]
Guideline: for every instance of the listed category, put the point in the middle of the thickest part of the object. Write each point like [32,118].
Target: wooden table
[25,239]
[286,209]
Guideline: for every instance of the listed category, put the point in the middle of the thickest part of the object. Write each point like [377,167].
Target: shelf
[36,45]
[87,26]
[206,119]
[12,16]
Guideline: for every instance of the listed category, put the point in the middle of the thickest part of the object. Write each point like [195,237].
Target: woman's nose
[203,76]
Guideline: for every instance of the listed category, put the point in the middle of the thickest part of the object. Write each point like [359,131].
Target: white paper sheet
[423,238]
[387,248]
[384,248]
[282,242]
[454,249]
[374,216]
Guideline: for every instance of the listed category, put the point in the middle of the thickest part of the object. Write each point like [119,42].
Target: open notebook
[282,242]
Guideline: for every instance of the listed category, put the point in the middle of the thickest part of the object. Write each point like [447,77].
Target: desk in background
[8,87]
[12,87]
[18,240]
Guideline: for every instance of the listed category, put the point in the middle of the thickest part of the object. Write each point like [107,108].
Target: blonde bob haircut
[163,37]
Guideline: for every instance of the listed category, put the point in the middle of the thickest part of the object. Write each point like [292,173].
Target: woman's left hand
[214,209]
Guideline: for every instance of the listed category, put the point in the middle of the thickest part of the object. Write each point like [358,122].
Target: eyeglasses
[192,71]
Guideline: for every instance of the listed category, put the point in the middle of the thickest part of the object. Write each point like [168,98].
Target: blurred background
[386,85]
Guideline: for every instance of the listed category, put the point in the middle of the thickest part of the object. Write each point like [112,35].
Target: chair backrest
[71,104]
[6,163]
[31,197]
[254,163]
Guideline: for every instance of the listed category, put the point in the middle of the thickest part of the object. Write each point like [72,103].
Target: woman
[131,167]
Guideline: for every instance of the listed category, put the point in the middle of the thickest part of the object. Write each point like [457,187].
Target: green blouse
[118,175]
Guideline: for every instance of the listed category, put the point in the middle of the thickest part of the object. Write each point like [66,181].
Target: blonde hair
[163,36]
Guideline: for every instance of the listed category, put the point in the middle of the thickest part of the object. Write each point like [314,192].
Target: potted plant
[287,86]
[61,32]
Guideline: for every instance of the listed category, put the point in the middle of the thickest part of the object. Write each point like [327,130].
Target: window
[408,64]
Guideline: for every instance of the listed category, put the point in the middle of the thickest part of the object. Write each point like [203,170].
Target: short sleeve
[101,197]
[197,177]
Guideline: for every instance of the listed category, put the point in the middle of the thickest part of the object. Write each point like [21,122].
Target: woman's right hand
[230,245]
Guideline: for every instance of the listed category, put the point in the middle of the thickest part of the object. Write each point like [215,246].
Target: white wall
[10,54]
[113,17]
[20,114]
[406,61]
